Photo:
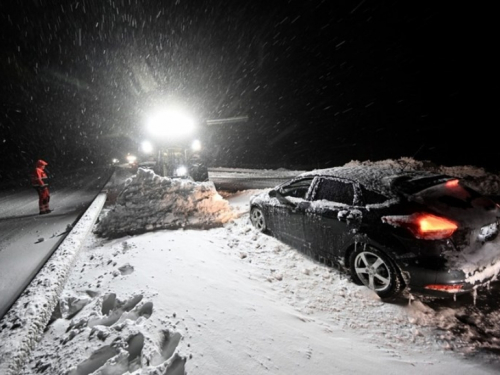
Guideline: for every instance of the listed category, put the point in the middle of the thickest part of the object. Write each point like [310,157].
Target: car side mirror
[273,193]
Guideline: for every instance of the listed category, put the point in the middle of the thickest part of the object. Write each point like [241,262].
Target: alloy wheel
[258,220]
[372,271]
[376,270]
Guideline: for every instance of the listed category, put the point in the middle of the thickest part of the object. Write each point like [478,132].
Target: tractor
[176,151]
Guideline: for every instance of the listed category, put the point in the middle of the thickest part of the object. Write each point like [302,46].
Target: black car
[392,230]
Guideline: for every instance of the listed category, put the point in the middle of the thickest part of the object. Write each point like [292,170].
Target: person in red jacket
[39,182]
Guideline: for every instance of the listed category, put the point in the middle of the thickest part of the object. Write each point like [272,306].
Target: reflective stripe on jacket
[38,176]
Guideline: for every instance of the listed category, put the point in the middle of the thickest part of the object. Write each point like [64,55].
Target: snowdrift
[150,202]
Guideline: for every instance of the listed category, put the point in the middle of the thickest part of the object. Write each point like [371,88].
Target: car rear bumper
[444,283]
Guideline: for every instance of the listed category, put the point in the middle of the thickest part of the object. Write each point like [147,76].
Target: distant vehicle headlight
[131,159]
[115,161]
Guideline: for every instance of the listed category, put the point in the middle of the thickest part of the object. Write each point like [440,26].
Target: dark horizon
[321,83]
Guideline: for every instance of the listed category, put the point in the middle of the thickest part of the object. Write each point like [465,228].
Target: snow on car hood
[149,202]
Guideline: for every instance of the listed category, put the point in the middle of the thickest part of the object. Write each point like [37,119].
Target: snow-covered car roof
[377,178]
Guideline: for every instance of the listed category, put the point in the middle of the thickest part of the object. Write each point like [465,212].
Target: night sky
[322,82]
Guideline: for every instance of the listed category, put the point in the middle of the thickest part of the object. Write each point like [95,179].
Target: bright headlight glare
[170,123]
[146,147]
[196,145]
[181,171]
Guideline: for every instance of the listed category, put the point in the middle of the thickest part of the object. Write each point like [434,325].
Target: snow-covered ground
[174,280]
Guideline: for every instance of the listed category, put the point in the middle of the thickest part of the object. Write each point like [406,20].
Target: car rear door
[332,216]
[286,216]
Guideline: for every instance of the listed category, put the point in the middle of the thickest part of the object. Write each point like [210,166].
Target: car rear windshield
[411,184]
[450,193]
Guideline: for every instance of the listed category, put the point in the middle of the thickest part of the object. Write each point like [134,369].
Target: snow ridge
[150,202]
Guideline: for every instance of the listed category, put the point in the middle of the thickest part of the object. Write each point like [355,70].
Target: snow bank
[23,326]
[150,202]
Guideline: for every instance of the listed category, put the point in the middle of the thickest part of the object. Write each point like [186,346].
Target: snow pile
[150,202]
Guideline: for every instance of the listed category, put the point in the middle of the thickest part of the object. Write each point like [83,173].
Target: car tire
[374,269]
[258,219]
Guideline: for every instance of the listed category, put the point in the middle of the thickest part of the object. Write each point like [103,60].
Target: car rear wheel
[374,269]
[258,220]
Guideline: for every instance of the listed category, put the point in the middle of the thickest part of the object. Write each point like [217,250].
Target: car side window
[334,190]
[372,197]
[297,189]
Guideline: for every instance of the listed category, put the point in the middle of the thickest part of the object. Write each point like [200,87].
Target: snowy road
[27,239]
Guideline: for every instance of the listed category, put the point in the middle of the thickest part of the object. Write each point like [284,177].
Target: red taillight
[445,288]
[424,226]
[451,183]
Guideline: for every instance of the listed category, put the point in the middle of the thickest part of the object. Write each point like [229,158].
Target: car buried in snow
[394,231]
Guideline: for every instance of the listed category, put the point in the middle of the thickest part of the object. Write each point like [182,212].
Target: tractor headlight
[181,171]
[171,124]
[196,145]
[146,147]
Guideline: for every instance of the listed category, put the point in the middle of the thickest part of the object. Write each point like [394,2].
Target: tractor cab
[182,162]
[175,149]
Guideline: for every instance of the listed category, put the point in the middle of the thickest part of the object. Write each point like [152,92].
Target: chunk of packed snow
[150,202]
